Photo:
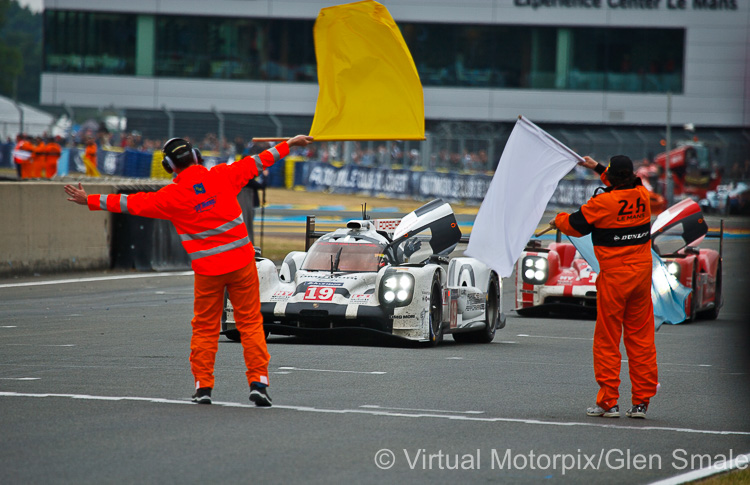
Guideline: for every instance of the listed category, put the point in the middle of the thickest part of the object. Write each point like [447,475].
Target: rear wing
[384,226]
[720,235]
[311,235]
[387,226]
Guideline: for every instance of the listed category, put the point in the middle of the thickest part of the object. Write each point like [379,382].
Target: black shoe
[637,411]
[259,395]
[202,395]
[598,411]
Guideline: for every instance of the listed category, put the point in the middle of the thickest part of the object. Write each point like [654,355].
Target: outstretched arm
[299,141]
[250,166]
[76,194]
[146,204]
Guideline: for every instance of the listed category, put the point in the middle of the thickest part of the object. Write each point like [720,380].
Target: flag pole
[544,231]
[278,139]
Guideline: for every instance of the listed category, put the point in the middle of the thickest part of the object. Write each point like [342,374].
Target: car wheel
[693,315]
[233,335]
[713,313]
[436,311]
[492,315]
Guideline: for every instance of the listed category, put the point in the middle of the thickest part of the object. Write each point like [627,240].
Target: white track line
[739,462]
[40,345]
[386,412]
[374,406]
[549,336]
[96,278]
[332,370]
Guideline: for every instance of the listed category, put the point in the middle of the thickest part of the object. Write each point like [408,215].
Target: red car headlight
[534,270]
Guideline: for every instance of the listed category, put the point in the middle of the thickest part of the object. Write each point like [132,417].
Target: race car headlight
[534,270]
[397,288]
[674,269]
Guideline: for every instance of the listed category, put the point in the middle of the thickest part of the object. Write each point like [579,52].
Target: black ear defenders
[168,163]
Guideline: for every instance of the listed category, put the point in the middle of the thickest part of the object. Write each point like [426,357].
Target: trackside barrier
[50,234]
[6,155]
[45,233]
[145,244]
[468,188]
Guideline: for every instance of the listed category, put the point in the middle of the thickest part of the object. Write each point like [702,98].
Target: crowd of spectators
[394,154]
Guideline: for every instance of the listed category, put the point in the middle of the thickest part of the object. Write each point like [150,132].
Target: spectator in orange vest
[22,156]
[89,158]
[52,155]
[202,205]
[619,221]
[37,158]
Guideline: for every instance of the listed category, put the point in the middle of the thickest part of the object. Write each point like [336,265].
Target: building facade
[572,64]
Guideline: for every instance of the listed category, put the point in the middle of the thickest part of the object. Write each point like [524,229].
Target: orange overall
[619,221]
[38,156]
[52,156]
[202,205]
[22,158]
[89,160]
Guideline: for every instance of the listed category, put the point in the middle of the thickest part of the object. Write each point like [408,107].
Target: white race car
[391,276]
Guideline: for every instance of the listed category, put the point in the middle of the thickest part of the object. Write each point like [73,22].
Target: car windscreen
[671,240]
[344,256]
[415,249]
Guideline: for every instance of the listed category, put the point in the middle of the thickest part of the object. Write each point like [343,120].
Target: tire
[492,315]
[233,335]
[436,311]
[693,301]
[713,313]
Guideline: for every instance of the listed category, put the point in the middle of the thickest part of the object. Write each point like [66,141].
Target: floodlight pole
[220,131]
[170,122]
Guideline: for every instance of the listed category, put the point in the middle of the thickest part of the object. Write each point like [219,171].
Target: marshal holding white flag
[618,220]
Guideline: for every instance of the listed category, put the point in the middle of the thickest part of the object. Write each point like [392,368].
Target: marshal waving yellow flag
[369,88]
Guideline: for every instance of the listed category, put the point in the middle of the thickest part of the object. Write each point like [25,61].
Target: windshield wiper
[335,262]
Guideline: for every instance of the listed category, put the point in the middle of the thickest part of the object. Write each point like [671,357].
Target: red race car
[557,280]
[676,236]
[553,280]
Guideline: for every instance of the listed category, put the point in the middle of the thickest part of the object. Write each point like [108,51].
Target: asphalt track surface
[95,387]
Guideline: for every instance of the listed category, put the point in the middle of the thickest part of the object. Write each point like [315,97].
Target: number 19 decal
[324,293]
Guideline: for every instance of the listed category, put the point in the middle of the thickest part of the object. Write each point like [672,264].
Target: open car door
[431,229]
[677,227]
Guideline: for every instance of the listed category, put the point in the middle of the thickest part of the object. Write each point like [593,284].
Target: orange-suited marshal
[619,221]
[202,205]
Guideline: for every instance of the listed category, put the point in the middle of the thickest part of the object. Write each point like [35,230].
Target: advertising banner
[421,185]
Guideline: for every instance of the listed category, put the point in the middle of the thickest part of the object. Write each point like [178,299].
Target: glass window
[631,60]
[471,55]
[229,48]
[344,256]
[87,42]
[529,57]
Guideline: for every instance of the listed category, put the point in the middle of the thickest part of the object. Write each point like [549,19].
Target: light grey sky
[34,5]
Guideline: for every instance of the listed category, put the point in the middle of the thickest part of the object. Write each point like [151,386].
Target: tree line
[20,52]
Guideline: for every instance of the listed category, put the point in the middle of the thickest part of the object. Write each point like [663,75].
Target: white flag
[530,167]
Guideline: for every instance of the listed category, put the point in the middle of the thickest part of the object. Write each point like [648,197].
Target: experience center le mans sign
[669,5]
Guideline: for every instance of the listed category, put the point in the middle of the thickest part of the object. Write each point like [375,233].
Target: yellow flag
[369,88]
